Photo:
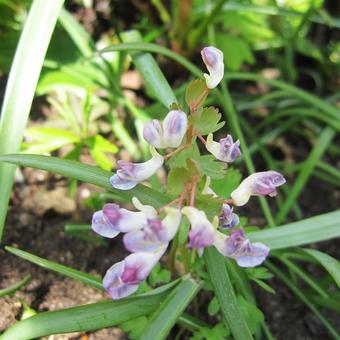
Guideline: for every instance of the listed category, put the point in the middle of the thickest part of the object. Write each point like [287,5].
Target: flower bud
[170,133]
[257,184]
[228,220]
[213,59]
[130,174]
[202,231]
[226,150]
[238,247]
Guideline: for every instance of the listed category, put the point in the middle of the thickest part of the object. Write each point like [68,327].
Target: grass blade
[224,291]
[309,230]
[306,171]
[150,71]
[88,317]
[21,85]
[12,289]
[88,279]
[164,317]
[328,262]
[86,173]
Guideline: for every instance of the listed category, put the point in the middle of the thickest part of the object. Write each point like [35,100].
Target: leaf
[177,177]
[230,181]
[210,167]
[152,75]
[165,317]
[209,121]
[134,327]
[88,317]
[213,306]
[264,285]
[12,289]
[180,159]
[101,143]
[196,93]
[252,314]
[211,205]
[309,230]
[328,262]
[88,279]
[87,174]
[21,84]
[230,309]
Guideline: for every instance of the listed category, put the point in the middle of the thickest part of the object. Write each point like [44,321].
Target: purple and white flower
[257,184]
[168,134]
[130,174]
[238,247]
[213,59]
[155,233]
[228,219]
[124,277]
[202,231]
[225,150]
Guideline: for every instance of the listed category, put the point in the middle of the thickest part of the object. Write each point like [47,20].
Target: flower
[228,219]
[207,190]
[226,150]
[257,184]
[155,233]
[112,220]
[238,247]
[168,134]
[124,277]
[130,174]
[202,231]
[213,59]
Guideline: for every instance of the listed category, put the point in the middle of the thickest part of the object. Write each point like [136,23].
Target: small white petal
[175,126]
[213,59]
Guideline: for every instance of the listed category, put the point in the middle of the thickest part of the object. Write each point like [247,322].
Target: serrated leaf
[210,205]
[209,121]
[176,180]
[210,167]
[180,160]
[196,93]
[230,181]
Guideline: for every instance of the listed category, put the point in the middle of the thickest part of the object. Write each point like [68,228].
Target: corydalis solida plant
[147,231]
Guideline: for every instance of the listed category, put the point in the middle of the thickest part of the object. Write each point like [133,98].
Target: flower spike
[130,174]
[213,59]
[168,134]
[226,150]
[257,184]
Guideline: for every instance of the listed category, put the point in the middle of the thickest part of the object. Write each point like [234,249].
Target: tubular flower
[228,219]
[168,134]
[238,247]
[112,220]
[155,234]
[257,184]
[202,231]
[213,60]
[225,150]
[130,174]
[124,277]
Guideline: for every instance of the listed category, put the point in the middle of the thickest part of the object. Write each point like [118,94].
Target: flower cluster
[148,232]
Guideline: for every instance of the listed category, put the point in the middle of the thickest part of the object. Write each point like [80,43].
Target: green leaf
[209,121]
[88,279]
[232,315]
[134,327]
[87,174]
[314,229]
[230,181]
[165,317]
[210,167]
[152,75]
[264,285]
[101,143]
[196,94]
[12,289]
[88,317]
[180,159]
[253,316]
[21,84]
[328,262]
[176,179]
[213,306]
